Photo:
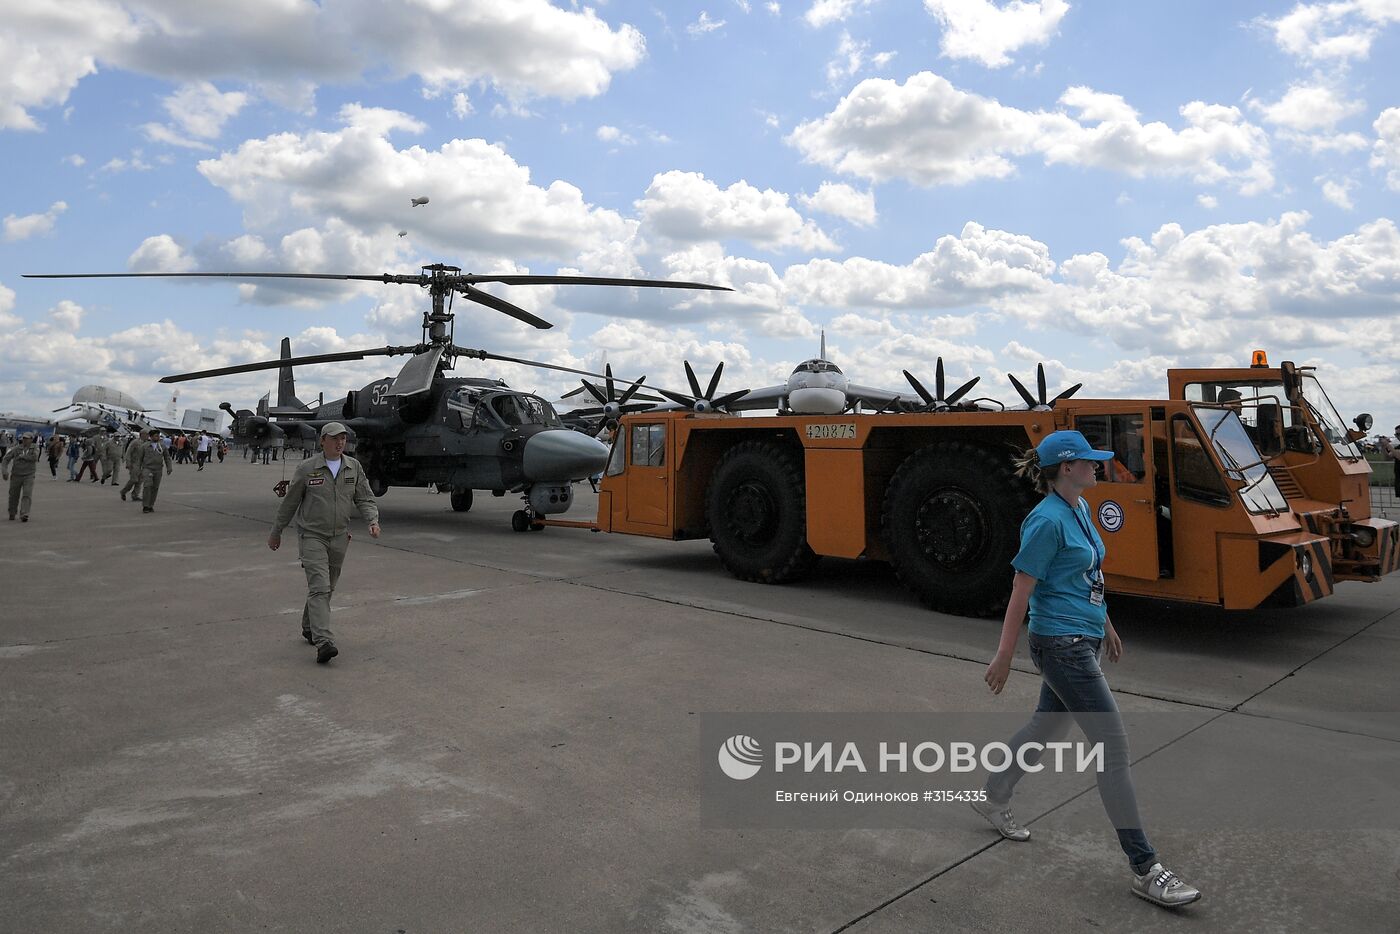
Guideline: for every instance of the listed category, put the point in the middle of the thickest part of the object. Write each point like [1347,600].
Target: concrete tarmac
[508,740]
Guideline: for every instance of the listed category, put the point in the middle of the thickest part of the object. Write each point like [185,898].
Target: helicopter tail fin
[286,382]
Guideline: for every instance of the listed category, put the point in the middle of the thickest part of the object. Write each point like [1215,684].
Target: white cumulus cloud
[1309,107]
[286,48]
[989,33]
[930,133]
[823,12]
[688,207]
[1385,153]
[841,200]
[1337,192]
[1332,32]
[33,225]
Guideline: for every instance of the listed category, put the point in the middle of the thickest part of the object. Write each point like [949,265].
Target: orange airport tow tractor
[1243,489]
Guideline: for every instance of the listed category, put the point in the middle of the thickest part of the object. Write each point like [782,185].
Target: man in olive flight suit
[321,496]
[153,456]
[130,457]
[111,458]
[19,466]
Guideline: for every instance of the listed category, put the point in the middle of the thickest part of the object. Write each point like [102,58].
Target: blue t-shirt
[1062,550]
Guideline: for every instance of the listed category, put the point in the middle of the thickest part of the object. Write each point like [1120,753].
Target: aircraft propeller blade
[1029,399]
[963,389]
[1042,403]
[727,398]
[939,400]
[714,382]
[694,383]
[919,388]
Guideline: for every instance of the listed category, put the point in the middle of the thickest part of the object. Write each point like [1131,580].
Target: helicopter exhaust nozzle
[560,455]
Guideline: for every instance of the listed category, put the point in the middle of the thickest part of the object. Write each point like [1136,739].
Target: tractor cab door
[648,483]
[1123,502]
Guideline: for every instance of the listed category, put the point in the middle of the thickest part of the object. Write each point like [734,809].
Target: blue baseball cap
[1060,446]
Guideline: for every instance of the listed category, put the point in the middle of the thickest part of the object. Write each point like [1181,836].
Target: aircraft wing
[878,398]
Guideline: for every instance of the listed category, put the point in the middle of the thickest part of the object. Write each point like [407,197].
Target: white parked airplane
[101,407]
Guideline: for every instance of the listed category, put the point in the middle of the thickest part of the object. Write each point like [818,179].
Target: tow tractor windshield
[1241,459]
[1333,428]
[1271,422]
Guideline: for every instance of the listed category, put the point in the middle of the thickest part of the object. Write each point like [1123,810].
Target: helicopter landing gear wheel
[378,485]
[461,500]
[519,521]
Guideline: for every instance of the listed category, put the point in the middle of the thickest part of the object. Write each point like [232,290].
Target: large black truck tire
[461,500]
[952,524]
[757,510]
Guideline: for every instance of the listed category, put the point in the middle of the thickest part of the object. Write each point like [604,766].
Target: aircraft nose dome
[558,454]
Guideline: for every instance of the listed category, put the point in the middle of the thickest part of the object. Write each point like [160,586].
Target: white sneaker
[1002,819]
[1161,887]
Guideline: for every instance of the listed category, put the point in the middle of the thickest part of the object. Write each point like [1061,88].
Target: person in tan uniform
[130,456]
[153,455]
[111,456]
[322,494]
[19,466]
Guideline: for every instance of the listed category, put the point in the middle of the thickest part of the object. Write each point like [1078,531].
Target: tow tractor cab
[1190,508]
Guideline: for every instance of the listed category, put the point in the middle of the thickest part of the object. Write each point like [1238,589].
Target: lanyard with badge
[1096,585]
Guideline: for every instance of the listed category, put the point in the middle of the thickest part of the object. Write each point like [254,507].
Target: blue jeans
[1073,683]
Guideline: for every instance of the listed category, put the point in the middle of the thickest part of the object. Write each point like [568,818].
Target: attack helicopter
[423,427]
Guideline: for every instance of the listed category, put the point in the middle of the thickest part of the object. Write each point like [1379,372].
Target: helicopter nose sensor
[561,455]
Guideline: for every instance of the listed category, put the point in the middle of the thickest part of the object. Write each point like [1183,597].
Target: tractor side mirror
[1292,386]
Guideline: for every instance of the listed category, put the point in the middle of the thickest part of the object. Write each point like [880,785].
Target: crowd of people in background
[100,457]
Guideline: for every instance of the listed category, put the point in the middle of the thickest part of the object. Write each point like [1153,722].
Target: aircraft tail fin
[286,382]
[170,413]
[262,405]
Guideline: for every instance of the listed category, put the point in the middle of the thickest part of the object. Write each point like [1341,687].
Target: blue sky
[1110,188]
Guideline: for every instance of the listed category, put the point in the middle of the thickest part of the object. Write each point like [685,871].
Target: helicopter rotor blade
[385,277]
[290,361]
[504,307]
[388,277]
[487,355]
[608,383]
[595,392]
[594,280]
[1040,380]
[1067,393]
[938,383]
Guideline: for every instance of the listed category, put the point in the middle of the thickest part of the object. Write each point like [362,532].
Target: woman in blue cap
[1059,579]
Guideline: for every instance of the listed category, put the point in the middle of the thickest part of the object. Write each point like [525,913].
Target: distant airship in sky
[414,202]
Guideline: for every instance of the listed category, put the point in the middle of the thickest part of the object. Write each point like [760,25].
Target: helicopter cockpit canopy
[502,409]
